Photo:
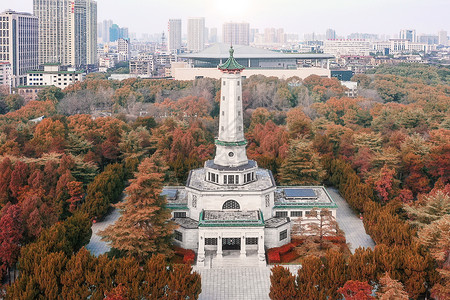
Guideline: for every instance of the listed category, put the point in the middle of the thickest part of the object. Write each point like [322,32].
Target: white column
[261,252]
[243,246]
[201,251]
[219,246]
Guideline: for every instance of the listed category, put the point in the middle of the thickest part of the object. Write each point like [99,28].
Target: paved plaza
[236,282]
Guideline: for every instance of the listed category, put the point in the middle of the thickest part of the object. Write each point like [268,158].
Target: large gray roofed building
[251,57]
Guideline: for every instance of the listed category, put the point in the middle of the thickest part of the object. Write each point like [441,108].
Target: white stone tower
[231,165]
[230,146]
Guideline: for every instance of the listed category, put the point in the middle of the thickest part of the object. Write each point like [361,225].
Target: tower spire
[231,65]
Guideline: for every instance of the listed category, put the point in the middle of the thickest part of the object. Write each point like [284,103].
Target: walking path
[350,223]
[96,246]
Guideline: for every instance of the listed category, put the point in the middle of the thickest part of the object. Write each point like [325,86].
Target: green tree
[302,166]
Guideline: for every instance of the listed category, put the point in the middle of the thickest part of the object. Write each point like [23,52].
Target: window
[223,113]
[237,179]
[223,128]
[178,236]
[231,204]
[239,113]
[283,235]
[210,241]
[239,98]
[281,214]
[179,214]
[230,179]
[225,179]
[296,214]
[209,176]
[224,82]
[194,201]
[251,241]
[223,98]
[239,83]
[267,200]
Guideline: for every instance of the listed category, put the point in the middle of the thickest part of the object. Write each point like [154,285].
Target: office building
[339,47]
[236,33]
[53,75]
[67,31]
[19,44]
[196,34]
[408,34]
[174,29]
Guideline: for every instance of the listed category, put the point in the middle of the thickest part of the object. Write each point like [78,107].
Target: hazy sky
[301,16]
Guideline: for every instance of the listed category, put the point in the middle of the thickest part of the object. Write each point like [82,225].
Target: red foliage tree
[75,189]
[19,178]
[356,290]
[11,234]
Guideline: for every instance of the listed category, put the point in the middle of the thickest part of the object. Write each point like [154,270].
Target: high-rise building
[273,36]
[253,33]
[106,25]
[408,34]
[67,31]
[236,33]
[19,44]
[213,35]
[174,28]
[114,33]
[123,49]
[196,34]
[330,34]
[443,38]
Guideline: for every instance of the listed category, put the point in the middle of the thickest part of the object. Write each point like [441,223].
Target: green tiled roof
[231,64]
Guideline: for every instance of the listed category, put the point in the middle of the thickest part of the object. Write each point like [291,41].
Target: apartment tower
[19,44]
[174,28]
[196,34]
[236,33]
[67,31]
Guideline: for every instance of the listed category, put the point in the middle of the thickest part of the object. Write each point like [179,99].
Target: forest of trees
[387,151]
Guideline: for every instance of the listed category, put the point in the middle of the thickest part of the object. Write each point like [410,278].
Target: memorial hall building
[231,208]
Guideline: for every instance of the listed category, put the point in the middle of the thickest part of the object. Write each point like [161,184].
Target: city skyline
[344,17]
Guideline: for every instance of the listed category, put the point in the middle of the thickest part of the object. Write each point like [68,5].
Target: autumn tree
[391,289]
[144,227]
[11,235]
[301,166]
[356,290]
[429,208]
[76,194]
[14,101]
[436,238]
[282,284]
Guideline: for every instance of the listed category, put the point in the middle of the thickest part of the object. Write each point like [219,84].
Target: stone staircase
[232,259]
